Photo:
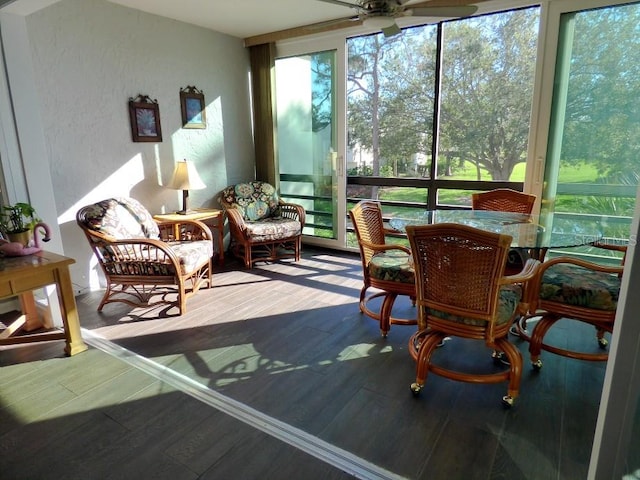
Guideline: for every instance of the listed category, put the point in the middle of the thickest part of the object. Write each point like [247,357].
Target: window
[441,110]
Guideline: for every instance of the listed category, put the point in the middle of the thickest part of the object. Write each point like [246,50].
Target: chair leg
[429,345]
[385,313]
[363,296]
[209,277]
[515,370]
[182,298]
[247,256]
[602,342]
[106,295]
[537,338]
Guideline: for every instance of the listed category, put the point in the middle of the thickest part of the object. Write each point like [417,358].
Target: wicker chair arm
[608,246]
[615,248]
[617,269]
[143,250]
[237,224]
[188,230]
[292,211]
[384,247]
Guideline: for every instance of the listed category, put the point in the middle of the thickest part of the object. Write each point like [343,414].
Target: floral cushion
[392,266]
[508,301]
[273,228]
[122,218]
[256,200]
[192,254]
[581,287]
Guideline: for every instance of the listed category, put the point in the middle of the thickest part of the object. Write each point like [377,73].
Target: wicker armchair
[384,267]
[137,254]
[575,290]
[461,292]
[263,227]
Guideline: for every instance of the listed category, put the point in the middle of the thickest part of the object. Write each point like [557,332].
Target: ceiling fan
[382,14]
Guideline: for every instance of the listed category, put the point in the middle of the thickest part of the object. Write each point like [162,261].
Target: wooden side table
[19,276]
[202,214]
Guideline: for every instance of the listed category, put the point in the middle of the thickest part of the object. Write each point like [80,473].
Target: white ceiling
[247,18]
[243,18]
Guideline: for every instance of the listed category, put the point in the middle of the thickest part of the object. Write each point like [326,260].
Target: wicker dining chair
[503,200]
[462,292]
[575,290]
[385,267]
[507,200]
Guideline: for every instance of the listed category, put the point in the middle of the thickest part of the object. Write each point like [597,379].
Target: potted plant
[17,222]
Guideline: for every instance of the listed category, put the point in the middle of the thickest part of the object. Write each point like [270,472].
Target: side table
[19,276]
[202,214]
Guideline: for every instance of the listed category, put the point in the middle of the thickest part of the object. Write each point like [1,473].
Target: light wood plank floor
[287,341]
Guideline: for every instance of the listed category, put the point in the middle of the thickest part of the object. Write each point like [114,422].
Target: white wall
[80,62]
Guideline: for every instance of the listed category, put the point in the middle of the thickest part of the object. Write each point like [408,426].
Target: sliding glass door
[307,140]
[592,162]
[586,162]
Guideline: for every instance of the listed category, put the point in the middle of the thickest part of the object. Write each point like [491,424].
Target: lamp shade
[185,177]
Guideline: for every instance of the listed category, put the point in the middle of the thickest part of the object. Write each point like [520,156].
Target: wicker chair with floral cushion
[263,227]
[574,290]
[138,254]
[385,267]
[462,292]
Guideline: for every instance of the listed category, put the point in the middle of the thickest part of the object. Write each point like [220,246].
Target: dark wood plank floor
[287,340]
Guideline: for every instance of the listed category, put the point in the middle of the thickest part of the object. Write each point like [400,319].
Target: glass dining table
[535,234]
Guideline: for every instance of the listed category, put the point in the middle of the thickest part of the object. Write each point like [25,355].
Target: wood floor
[286,343]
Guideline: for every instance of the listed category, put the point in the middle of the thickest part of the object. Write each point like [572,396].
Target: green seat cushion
[581,287]
[392,266]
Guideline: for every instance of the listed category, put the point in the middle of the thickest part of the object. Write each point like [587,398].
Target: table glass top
[528,231]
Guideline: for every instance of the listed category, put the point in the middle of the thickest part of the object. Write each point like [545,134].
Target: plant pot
[24,238]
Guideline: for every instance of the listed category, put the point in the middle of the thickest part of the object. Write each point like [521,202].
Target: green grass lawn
[580,174]
[569,174]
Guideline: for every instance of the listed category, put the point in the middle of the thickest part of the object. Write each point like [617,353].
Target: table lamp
[185,178]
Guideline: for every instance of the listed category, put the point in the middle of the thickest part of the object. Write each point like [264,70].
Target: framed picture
[192,106]
[144,114]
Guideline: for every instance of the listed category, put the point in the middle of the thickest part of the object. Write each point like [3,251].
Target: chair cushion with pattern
[192,254]
[510,296]
[256,200]
[273,228]
[580,287]
[392,266]
[122,218]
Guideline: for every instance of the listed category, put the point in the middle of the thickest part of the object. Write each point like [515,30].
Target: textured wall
[89,57]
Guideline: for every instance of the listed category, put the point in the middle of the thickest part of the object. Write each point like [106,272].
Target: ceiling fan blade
[344,22]
[340,2]
[453,11]
[442,3]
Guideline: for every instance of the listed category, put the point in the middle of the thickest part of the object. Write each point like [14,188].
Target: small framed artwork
[144,114]
[192,106]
